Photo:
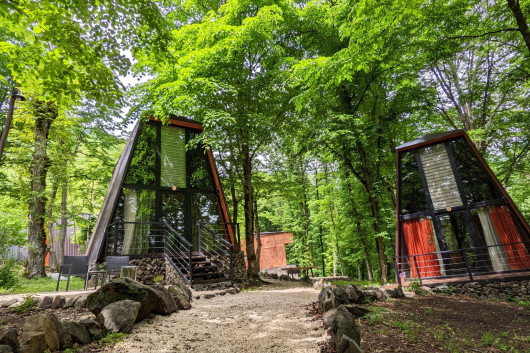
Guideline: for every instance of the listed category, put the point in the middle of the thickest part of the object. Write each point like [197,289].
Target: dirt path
[274,319]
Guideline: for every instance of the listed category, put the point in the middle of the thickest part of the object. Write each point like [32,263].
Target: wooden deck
[490,277]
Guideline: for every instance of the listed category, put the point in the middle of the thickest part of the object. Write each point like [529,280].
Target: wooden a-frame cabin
[455,221]
[165,200]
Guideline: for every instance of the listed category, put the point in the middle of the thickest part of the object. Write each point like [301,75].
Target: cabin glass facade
[168,179]
[454,218]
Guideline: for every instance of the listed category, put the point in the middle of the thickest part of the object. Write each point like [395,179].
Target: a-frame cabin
[454,218]
[165,200]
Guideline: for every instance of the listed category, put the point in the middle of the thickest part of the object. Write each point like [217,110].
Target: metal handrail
[224,255]
[479,262]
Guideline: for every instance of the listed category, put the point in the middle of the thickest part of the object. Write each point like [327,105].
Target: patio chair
[77,266]
[114,265]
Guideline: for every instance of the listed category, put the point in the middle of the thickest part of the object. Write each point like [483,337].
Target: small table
[291,270]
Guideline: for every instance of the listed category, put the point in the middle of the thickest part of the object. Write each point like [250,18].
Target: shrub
[8,278]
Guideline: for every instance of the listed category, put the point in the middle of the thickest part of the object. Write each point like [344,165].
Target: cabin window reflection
[142,170]
[413,198]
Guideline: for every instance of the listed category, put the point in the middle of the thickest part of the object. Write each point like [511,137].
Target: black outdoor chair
[114,265]
[77,266]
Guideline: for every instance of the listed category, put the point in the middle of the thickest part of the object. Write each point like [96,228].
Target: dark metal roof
[431,138]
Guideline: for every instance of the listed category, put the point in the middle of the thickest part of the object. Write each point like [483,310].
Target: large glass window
[475,181]
[142,169]
[440,178]
[199,167]
[173,157]
[412,193]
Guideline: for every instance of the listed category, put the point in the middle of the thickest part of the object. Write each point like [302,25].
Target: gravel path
[274,319]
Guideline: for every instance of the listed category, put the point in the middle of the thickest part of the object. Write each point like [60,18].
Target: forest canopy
[303,104]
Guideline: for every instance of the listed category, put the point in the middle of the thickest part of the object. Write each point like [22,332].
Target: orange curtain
[419,238]
[507,231]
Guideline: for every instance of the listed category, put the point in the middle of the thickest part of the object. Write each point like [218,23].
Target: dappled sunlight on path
[269,320]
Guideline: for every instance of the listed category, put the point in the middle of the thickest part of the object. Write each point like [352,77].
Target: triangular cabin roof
[97,240]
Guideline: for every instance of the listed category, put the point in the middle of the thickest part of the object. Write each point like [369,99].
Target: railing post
[200,237]
[417,269]
[191,264]
[467,265]
[115,239]
[397,271]
[231,249]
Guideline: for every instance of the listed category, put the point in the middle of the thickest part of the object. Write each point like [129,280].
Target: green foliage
[29,304]
[113,338]
[8,277]
[417,289]
[410,328]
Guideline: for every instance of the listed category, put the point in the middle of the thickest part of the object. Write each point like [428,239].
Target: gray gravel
[274,319]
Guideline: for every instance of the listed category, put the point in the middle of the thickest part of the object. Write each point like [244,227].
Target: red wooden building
[272,249]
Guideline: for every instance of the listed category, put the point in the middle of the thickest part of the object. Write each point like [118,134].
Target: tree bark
[248,193]
[53,258]
[45,114]
[258,234]
[9,120]
[64,226]
[521,21]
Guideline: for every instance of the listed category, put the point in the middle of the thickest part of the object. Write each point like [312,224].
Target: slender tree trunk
[320,237]
[258,234]
[45,114]
[9,120]
[64,226]
[248,192]
[53,258]
[521,21]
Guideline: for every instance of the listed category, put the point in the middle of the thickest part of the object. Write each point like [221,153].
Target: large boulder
[94,328]
[64,337]
[78,332]
[4,348]
[182,296]
[347,294]
[166,305]
[119,316]
[326,299]
[58,302]
[40,323]
[33,342]
[124,289]
[9,337]
[344,324]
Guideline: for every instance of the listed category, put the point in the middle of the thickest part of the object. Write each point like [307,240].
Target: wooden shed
[454,218]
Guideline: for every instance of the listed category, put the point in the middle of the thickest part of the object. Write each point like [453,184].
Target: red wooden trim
[181,123]
[431,142]
[221,195]
[512,205]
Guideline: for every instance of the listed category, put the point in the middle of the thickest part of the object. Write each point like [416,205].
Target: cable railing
[468,262]
[179,252]
[218,250]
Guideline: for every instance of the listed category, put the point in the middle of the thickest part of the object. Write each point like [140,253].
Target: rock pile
[116,306]
[341,309]
[519,290]
[149,268]
[240,267]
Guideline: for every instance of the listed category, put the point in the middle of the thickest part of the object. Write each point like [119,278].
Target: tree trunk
[45,114]
[9,120]
[521,21]
[258,234]
[248,192]
[64,226]
[53,258]
[320,234]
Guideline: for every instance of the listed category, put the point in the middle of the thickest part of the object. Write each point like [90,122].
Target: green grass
[44,284]
[113,337]
[28,305]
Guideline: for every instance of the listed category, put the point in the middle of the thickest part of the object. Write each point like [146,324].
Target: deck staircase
[211,265]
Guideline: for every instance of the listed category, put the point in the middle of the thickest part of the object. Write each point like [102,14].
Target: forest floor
[445,323]
[282,317]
